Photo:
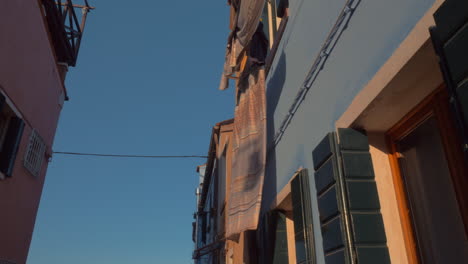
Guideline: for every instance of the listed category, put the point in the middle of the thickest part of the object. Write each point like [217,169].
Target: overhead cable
[129,156]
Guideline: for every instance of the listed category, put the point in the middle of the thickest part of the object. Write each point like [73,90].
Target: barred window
[35,153]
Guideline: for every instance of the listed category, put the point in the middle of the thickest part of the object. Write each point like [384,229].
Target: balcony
[65,27]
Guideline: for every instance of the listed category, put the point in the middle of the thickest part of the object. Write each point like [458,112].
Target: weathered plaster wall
[29,78]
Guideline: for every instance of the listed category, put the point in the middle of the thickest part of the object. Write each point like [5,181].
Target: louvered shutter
[10,145]
[450,39]
[281,240]
[349,207]
[302,216]
[267,232]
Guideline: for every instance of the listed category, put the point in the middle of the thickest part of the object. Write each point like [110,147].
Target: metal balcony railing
[65,27]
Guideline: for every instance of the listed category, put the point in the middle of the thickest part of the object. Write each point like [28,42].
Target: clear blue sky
[145,83]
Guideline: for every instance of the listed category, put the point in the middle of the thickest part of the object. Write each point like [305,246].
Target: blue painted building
[367,67]
[367,113]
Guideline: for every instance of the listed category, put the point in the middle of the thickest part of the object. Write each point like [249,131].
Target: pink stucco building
[34,55]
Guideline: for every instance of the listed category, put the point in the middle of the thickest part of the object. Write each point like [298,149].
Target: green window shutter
[267,237]
[11,145]
[281,240]
[302,217]
[450,40]
[349,207]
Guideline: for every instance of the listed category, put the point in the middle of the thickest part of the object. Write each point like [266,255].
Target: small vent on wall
[35,153]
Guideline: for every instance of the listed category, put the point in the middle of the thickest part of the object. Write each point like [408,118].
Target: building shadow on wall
[274,90]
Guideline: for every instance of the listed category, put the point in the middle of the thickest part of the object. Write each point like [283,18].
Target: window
[35,153]
[426,164]
[11,130]
[194,232]
[4,118]
[276,16]
[290,224]
[203,227]
[281,239]
[302,217]
[282,8]
[268,19]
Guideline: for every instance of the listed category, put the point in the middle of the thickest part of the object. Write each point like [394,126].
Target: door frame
[435,105]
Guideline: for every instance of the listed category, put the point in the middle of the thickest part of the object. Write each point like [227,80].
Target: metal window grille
[35,153]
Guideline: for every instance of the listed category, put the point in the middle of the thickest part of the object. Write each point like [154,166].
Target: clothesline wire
[128,155]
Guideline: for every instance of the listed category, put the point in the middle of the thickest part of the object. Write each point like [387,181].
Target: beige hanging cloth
[245,17]
[248,156]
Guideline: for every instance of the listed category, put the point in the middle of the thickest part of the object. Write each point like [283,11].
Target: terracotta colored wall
[29,78]
[239,250]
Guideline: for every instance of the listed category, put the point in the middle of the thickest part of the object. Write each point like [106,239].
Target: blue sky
[145,83]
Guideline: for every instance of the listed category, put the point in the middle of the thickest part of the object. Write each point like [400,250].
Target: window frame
[4,117]
[13,120]
[435,105]
[277,26]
